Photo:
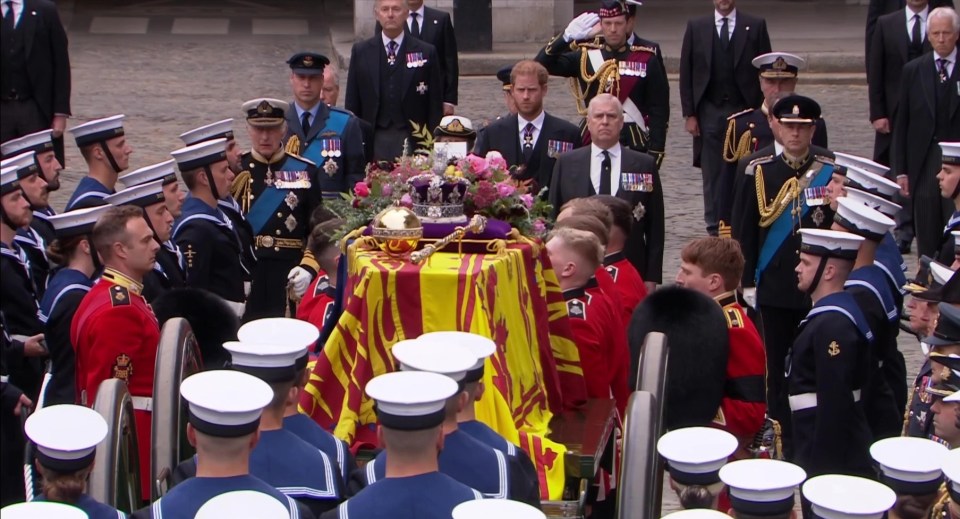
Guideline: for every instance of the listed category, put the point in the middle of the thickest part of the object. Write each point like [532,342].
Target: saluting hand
[581,27]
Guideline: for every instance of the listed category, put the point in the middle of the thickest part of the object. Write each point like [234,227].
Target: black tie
[915,33]
[415,26]
[725,32]
[942,69]
[527,142]
[605,168]
[305,123]
[8,17]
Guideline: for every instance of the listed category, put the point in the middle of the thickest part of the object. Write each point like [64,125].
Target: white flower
[639,211]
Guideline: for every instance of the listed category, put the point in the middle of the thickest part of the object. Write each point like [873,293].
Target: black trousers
[23,118]
[779,332]
[268,289]
[712,121]
[930,214]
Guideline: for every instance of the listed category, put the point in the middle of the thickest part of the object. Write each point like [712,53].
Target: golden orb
[397,231]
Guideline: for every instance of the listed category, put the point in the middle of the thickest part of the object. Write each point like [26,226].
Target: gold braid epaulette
[734,150]
[607,78]
[788,193]
[643,48]
[293,145]
[939,510]
[241,188]
[906,412]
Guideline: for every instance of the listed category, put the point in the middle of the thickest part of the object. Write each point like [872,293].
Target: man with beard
[42,144]
[35,191]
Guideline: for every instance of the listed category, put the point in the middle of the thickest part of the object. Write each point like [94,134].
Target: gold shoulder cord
[606,76]
[788,192]
[734,152]
[906,412]
[939,510]
[241,189]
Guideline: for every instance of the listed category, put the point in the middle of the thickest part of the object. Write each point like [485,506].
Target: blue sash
[336,122]
[264,207]
[843,303]
[874,279]
[783,226]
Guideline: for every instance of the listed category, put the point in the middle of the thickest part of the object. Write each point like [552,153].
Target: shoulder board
[595,44]
[821,158]
[734,319]
[119,296]
[302,159]
[576,309]
[762,160]
[643,48]
[738,114]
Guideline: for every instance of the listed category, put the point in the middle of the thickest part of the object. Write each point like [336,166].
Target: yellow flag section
[506,295]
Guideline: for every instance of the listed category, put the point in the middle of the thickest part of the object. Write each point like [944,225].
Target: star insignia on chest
[818,216]
[291,200]
[330,167]
[576,309]
[833,349]
[290,223]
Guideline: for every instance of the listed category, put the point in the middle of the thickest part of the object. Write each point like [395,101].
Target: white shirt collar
[386,40]
[951,58]
[596,151]
[923,14]
[419,15]
[537,121]
[718,18]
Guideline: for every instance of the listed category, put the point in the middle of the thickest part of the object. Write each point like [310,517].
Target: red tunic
[115,335]
[743,406]
[628,283]
[322,307]
[604,354]
[311,297]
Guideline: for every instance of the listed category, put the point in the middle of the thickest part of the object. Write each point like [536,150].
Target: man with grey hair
[607,168]
[925,117]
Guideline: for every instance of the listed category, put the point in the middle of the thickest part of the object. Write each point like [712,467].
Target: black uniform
[947,250]
[59,304]
[278,198]
[18,301]
[827,372]
[11,431]
[781,304]
[641,80]
[33,241]
[248,257]
[211,249]
[167,274]
[334,143]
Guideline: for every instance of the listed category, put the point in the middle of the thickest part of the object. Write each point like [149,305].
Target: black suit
[419,92]
[503,135]
[436,28]
[878,8]
[644,247]
[928,112]
[716,81]
[40,57]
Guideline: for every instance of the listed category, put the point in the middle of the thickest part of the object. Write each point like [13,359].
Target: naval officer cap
[272,362]
[829,243]
[488,508]
[265,112]
[100,130]
[695,454]
[66,436]
[954,397]
[218,130]
[797,109]
[951,469]
[848,497]
[697,513]
[847,159]
[78,222]
[859,178]
[951,153]
[201,154]
[504,76]
[165,171]
[37,142]
[909,466]
[948,327]
[308,63]
[282,330]
[9,181]
[941,285]
[42,510]
[411,400]
[224,403]
[481,347]
[762,487]
[143,195]
[923,280]
[452,360]
[949,376]
[243,504]
[861,220]
[778,65]
[455,126]
[24,163]
[873,201]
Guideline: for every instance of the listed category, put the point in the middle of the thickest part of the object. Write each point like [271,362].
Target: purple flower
[505,190]
[406,201]
[539,226]
[386,190]
[527,200]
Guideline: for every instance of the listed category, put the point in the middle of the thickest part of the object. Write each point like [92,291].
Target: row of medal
[632,68]
[290,179]
[555,148]
[416,59]
[330,148]
[642,182]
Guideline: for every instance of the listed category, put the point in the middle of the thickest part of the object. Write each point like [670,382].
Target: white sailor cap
[859,178]
[762,487]
[143,195]
[99,130]
[862,220]
[950,152]
[42,510]
[846,160]
[225,403]
[218,130]
[487,508]
[697,513]
[910,466]
[282,330]
[66,436]
[955,397]
[243,504]
[778,64]
[201,154]
[9,181]
[829,243]
[25,164]
[37,142]
[481,347]
[271,362]
[870,200]
[941,273]
[411,400]
[265,111]
[695,454]
[951,469]
[452,360]
[848,497]
[77,222]
[165,171]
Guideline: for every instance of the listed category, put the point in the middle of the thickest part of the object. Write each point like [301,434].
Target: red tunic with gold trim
[628,283]
[743,406]
[115,335]
[604,354]
[313,296]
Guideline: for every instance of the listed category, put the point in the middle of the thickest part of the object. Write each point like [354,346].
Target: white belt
[142,403]
[809,400]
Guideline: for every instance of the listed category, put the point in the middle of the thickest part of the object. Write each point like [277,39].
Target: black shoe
[904,247]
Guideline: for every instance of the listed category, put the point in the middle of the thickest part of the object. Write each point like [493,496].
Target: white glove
[237,308]
[246,288]
[299,280]
[750,296]
[581,27]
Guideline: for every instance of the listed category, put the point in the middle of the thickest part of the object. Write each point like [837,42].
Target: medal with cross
[422,88]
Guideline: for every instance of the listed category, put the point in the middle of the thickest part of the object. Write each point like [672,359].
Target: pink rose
[527,200]
[406,201]
[361,189]
[386,190]
[505,190]
[478,165]
[539,227]
[496,160]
